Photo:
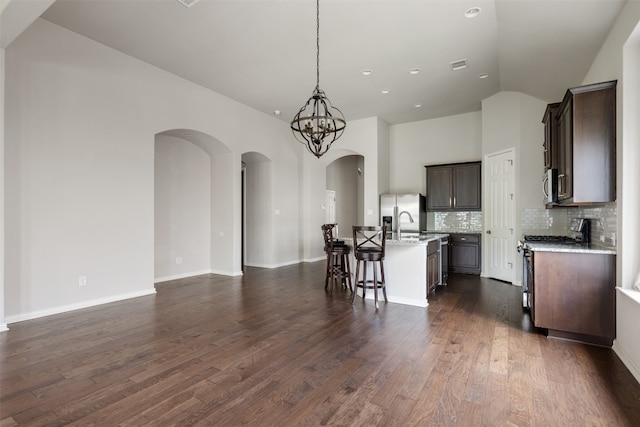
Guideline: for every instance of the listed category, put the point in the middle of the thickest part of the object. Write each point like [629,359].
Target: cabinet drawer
[465,238]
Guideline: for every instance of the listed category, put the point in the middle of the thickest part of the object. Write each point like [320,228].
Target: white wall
[619,58]
[445,140]
[3,325]
[513,120]
[384,157]
[611,64]
[259,212]
[182,209]
[80,124]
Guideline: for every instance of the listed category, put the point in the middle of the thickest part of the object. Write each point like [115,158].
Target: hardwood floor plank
[500,351]
[272,348]
[496,408]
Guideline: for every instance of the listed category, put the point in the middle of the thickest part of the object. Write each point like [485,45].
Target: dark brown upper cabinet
[550,144]
[454,187]
[586,156]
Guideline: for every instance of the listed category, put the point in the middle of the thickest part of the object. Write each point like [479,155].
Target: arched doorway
[345,176]
[191,195]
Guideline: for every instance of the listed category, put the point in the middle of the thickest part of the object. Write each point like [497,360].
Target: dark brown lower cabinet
[574,295]
[433,265]
[464,253]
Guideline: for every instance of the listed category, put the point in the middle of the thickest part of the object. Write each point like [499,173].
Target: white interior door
[500,216]
[329,206]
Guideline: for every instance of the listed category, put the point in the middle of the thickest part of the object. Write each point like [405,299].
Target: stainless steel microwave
[550,186]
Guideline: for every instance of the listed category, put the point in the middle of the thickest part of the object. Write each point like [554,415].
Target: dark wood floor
[271,348]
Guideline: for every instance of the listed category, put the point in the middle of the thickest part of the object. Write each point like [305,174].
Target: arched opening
[345,177]
[257,210]
[190,192]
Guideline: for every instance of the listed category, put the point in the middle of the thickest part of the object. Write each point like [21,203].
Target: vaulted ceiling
[263,52]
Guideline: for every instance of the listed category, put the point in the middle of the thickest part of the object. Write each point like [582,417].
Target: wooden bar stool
[368,246]
[338,266]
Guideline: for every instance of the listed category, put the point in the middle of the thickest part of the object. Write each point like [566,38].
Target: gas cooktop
[549,239]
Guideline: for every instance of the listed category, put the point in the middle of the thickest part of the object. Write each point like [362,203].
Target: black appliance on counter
[579,229]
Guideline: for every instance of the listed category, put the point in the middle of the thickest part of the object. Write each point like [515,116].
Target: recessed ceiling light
[414,71]
[366,72]
[483,75]
[276,112]
[472,12]
[385,91]
[418,105]
[458,65]
[187,3]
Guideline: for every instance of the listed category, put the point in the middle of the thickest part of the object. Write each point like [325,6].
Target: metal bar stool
[369,246]
[338,266]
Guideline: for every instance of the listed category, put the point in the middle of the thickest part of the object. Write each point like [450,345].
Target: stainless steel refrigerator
[404,212]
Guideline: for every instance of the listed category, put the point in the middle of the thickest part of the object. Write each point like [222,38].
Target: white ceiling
[263,52]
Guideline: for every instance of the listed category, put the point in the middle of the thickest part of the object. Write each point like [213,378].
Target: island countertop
[411,240]
[424,240]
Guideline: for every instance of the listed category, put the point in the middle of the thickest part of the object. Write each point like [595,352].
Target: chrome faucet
[399,228]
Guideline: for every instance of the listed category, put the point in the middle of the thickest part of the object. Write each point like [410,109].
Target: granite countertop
[411,239]
[575,247]
[415,240]
[457,231]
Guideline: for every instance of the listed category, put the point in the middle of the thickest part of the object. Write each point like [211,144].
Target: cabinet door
[565,153]
[433,269]
[575,292]
[550,144]
[466,190]
[464,253]
[594,154]
[439,188]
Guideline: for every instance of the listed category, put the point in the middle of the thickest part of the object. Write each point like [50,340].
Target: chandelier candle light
[318,124]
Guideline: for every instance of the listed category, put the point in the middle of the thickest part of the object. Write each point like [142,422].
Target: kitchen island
[405,269]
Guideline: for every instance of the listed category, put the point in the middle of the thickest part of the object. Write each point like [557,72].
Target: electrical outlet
[179,260]
[82,280]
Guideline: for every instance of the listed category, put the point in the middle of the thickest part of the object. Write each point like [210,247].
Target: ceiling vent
[458,65]
[187,3]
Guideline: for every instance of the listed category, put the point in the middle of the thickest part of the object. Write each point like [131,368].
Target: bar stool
[369,245]
[338,266]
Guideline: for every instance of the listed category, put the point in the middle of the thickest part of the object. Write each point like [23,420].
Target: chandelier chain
[318,124]
[317,43]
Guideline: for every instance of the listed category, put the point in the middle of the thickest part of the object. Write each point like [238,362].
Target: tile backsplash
[544,221]
[604,222]
[455,222]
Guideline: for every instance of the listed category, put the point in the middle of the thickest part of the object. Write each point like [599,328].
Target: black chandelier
[318,124]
